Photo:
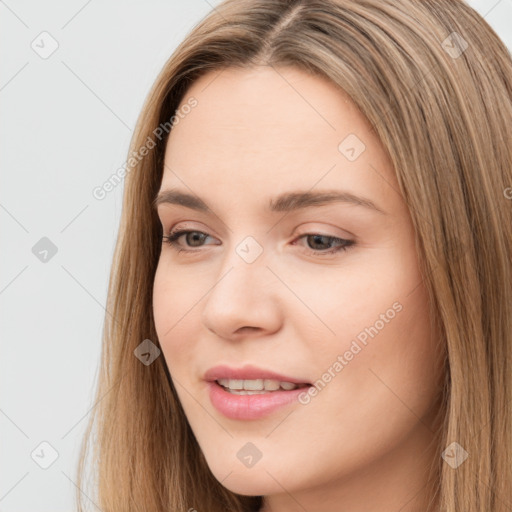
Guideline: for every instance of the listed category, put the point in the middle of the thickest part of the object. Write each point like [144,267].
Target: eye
[315,239]
[195,241]
[196,238]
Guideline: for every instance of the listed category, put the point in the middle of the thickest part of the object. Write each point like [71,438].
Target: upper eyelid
[162,216]
[332,228]
[206,230]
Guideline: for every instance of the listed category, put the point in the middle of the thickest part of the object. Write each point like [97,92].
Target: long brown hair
[435,82]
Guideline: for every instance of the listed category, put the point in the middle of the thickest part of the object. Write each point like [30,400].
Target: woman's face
[317,288]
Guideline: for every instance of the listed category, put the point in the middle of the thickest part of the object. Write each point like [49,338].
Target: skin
[364,442]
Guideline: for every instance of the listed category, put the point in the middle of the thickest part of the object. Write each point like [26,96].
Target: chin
[250,482]
[245,488]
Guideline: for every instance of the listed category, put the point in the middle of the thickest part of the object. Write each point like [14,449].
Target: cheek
[175,296]
[390,370]
[383,389]
[174,299]
[378,357]
[164,300]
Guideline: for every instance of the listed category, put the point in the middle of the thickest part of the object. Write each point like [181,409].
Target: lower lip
[250,407]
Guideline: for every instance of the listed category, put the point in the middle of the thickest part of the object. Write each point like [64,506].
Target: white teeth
[271,385]
[255,386]
[236,384]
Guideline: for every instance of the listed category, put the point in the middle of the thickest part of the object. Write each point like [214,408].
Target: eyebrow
[286,202]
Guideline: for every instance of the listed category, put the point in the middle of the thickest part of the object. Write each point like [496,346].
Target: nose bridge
[245,265]
[242,295]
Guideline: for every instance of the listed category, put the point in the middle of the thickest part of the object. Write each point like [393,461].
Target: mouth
[237,399]
[257,386]
[251,392]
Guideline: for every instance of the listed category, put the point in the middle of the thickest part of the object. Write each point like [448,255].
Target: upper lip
[248,372]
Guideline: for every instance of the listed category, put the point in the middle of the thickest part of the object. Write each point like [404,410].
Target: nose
[244,299]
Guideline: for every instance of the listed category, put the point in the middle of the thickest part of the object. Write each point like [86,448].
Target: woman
[310,300]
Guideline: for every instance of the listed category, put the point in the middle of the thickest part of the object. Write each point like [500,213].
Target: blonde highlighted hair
[435,82]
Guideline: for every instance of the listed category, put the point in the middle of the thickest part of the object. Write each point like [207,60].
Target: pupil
[316,237]
[195,236]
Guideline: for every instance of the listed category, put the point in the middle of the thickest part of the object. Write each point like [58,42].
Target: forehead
[267,109]
[263,130]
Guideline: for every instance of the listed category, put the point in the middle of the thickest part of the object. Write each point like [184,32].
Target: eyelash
[171,240]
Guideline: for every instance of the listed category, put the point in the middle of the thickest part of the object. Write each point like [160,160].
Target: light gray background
[65,126]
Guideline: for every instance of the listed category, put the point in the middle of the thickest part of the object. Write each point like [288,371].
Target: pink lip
[249,407]
[248,372]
